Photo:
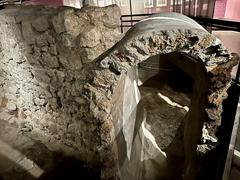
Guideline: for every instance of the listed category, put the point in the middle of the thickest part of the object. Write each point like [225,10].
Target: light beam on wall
[20,159]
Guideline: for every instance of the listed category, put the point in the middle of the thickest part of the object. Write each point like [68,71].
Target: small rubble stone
[42,76]
[58,24]
[90,38]
[41,23]
[111,17]
[27,32]
[50,61]
[67,40]
[53,50]
[39,102]
[42,40]
[73,24]
[11,106]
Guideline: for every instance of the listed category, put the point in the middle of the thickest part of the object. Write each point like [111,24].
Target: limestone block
[27,32]
[11,106]
[72,62]
[111,17]
[52,127]
[44,40]
[41,23]
[11,96]
[39,101]
[60,76]
[49,60]
[42,76]
[58,23]
[109,42]
[26,163]
[75,24]
[90,38]
[89,54]
[73,127]
[108,16]
[53,50]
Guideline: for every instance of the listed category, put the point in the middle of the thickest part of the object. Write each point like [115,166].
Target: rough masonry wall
[51,86]
[160,35]
[44,65]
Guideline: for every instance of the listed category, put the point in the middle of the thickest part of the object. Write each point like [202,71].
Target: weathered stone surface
[58,23]
[111,17]
[27,31]
[90,38]
[76,24]
[64,95]
[11,106]
[42,75]
[41,23]
[158,35]
[89,54]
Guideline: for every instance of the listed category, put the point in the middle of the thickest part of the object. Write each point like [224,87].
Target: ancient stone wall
[162,34]
[53,88]
[44,61]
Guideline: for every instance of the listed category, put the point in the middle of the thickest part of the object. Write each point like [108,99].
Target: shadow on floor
[23,158]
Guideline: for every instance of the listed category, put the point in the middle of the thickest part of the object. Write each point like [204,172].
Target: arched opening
[158,122]
[209,69]
[166,91]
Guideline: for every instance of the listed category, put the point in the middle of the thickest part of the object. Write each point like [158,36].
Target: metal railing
[4,2]
[129,20]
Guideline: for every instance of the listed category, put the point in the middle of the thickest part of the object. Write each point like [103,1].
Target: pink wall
[233,9]
[44,2]
[220,7]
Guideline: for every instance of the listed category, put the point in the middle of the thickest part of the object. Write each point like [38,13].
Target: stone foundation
[58,86]
[209,63]
[44,66]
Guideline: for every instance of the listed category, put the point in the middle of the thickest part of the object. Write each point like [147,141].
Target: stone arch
[49,82]
[161,34]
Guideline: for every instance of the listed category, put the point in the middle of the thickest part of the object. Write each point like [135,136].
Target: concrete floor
[22,158]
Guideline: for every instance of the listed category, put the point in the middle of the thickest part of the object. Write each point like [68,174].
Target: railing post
[121,25]
[130,1]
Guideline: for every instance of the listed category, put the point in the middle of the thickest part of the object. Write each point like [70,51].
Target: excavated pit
[69,83]
[165,91]
[166,96]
